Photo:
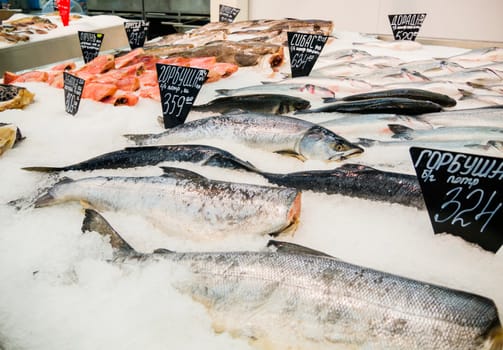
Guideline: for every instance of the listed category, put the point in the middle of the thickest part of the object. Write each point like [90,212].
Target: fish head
[293,104]
[322,144]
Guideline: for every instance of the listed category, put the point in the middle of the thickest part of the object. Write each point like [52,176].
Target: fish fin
[329,99]
[495,338]
[43,169]
[47,198]
[139,139]
[366,142]
[465,94]
[476,85]
[222,161]
[291,154]
[287,247]
[181,173]
[400,131]
[496,144]
[224,92]
[93,221]
[86,205]
[163,251]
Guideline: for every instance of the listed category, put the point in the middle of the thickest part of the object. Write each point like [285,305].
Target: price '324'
[455,211]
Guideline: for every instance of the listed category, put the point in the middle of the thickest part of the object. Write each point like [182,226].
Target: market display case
[186,260]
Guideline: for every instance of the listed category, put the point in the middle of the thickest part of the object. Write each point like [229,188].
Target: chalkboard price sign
[72,87]
[406,26]
[463,194]
[304,51]
[179,87]
[227,13]
[90,44]
[136,32]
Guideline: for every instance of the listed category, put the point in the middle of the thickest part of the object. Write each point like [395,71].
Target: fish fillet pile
[121,80]
[19,30]
[245,43]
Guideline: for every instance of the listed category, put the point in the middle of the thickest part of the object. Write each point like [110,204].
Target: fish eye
[339,147]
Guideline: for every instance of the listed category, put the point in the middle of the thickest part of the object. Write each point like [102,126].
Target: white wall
[449,19]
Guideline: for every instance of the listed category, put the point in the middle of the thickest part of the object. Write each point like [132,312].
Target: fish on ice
[293,297]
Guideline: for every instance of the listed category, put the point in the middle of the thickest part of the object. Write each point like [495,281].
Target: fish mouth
[354,152]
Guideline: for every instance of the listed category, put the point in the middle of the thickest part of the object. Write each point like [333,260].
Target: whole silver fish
[339,85]
[392,75]
[474,145]
[259,103]
[380,61]
[486,54]
[400,45]
[298,298]
[484,97]
[347,69]
[461,133]
[448,88]
[131,157]
[433,67]
[273,133]
[308,91]
[186,204]
[358,124]
[478,76]
[344,55]
[491,116]
[358,181]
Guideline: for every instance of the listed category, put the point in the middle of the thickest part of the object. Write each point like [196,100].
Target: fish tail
[139,139]
[495,339]
[225,92]
[401,131]
[93,221]
[42,169]
[48,198]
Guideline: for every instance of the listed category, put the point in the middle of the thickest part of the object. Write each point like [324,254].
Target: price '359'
[173,104]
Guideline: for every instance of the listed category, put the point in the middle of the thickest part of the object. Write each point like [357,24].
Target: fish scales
[153,155]
[295,297]
[356,181]
[299,300]
[268,132]
[191,207]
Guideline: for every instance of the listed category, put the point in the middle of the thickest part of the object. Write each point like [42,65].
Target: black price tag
[463,194]
[72,87]
[406,26]
[179,87]
[136,32]
[304,51]
[227,13]
[90,44]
